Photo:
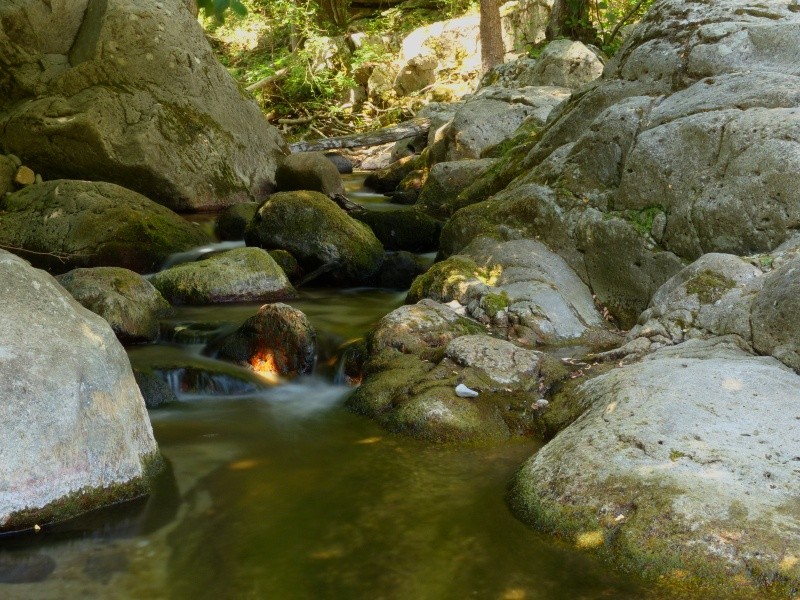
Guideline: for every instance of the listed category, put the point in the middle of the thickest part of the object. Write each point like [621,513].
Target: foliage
[604,19]
[216,9]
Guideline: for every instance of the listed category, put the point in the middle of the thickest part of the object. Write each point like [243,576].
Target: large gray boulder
[76,435]
[519,288]
[309,171]
[684,465]
[493,114]
[60,225]
[319,234]
[132,94]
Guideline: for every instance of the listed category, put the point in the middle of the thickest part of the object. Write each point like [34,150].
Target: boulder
[387,180]
[126,300]
[104,90]
[447,180]
[76,432]
[419,354]
[694,118]
[398,270]
[402,228]
[7,170]
[309,171]
[519,288]
[319,234]
[774,315]
[684,467]
[238,275]
[277,340]
[232,221]
[418,73]
[494,114]
[60,225]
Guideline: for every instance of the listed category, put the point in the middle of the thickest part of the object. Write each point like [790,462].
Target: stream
[277,491]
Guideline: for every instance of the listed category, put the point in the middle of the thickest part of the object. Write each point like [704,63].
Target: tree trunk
[492,48]
[571,19]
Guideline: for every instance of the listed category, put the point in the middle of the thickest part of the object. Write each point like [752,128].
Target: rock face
[104,90]
[696,116]
[447,180]
[73,419]
[492,115]
[61,225]
[319,234]
[126,300]
[685,462]
[403,229]
[239,275]
[278,340]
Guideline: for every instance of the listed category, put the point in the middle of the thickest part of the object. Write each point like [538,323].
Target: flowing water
[277,491]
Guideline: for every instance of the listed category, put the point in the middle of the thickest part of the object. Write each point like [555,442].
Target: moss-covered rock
[446,181]
[667,475]
[239,275]
[418,354]
[311,171]
[319,234]
[388,179]
[277,340]
[232,221]
[126,300]
[403,229]
[63,224]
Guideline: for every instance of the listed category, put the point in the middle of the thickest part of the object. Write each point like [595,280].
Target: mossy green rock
[63,224]
[418,354]
[232,221]
[130,303]
[239,275]
[683,467]
[311,171]
[446,181]
[319,234]
[403,229]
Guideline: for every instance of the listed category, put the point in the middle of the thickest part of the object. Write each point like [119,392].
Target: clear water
[280,492]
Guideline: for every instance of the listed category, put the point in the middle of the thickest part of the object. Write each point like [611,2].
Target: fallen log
[371,138]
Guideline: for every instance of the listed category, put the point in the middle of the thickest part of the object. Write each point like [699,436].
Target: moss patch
[87,499]
[709,286]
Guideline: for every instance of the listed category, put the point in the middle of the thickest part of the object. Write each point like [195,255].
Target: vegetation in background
[306,60]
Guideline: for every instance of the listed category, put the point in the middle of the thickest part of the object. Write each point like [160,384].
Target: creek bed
[280,492]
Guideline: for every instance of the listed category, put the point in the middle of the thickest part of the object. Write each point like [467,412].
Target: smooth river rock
[76,435]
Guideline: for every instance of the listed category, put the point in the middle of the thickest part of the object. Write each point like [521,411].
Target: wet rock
[167,120]
[74,420]
[398,270]
[288,263]
[311,171]
[238,275]
[232,221]
[319,234]
[403,229]
[387,180]
[155,390]
[420,354]
[685,460]
[277,340]
[126,300]
[60,225]
[343,164]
